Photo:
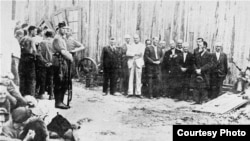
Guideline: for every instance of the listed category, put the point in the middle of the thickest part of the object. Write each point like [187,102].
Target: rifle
[69,84]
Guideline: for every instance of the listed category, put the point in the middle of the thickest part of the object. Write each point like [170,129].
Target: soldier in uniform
[60,66]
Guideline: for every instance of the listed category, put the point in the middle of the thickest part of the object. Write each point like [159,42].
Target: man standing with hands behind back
[135,54]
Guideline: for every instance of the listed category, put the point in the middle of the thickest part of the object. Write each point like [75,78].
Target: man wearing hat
[60,66]
[219,71]
[110,65]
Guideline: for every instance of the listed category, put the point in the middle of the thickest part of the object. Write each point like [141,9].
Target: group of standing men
[45,61]
[174,73]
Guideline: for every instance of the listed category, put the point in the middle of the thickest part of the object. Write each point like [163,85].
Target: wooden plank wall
[225,21]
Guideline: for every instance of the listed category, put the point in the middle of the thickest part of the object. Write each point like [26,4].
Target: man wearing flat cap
[219,71]
[60,61]
[110,65]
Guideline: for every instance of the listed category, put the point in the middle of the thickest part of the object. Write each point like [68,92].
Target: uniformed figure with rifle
[62,60]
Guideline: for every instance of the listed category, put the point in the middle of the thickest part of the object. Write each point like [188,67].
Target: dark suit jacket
[219,70]
[220,66]
[171,66]
[187,64]
[149,58]
[204,63]
[110,59]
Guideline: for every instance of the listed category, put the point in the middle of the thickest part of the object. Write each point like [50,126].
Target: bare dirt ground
[106,118]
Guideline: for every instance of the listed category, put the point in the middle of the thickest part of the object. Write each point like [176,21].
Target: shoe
[117,94]
[61,106]
[104,94]
[42,96]
[139,96]
[128,96]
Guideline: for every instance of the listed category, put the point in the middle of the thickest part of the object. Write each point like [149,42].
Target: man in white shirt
[135,54]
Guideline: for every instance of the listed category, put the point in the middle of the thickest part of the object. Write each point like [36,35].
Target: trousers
[135,72]
[27,73]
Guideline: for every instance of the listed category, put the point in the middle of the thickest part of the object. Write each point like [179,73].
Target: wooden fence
[225,21]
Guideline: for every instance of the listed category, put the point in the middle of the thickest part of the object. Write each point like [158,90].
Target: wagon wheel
[86,67]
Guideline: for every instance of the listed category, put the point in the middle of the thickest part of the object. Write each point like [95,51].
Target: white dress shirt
[156,52]
[185,56]
[217,55]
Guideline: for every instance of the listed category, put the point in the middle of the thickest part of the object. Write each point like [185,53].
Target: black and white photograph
[124,70]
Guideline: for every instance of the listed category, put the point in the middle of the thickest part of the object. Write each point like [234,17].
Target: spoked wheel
[87,70]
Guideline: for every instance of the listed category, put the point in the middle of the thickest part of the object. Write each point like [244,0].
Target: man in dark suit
[152,57]
[201,77]
[110,65]
[219,71]
[123,70]
[171,66]
[186,66]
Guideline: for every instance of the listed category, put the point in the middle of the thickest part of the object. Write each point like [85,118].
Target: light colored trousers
[137,72]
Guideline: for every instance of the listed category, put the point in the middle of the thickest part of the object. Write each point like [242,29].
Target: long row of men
[150,70]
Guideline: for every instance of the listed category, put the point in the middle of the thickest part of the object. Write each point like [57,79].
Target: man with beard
[171,66]
[200,81]
[219,71]
[27,71]
[152,57]
[60,66]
